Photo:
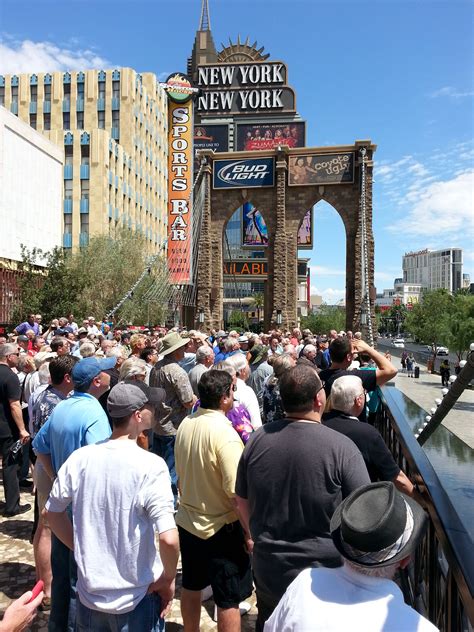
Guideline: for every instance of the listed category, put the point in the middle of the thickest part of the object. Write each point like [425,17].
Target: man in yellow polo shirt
[212,541]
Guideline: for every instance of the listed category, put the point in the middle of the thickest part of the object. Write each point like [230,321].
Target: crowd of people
[271,476]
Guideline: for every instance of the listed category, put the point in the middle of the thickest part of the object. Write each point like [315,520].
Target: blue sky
[396,71]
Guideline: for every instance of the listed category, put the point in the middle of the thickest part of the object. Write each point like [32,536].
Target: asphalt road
[420,352]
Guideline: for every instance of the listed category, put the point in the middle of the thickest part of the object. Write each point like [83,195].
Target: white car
[399,343]
[444,351]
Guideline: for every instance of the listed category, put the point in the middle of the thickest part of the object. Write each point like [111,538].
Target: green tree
[258,303]
[238,320]
[94,279]
[428,320]
[327,318]
[460,324]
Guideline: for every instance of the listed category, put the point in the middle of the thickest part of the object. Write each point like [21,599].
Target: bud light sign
[246,173]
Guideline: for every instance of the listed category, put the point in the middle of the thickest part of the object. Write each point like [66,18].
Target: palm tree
[258,301]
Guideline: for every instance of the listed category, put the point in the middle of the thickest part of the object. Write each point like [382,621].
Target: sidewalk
[424,391]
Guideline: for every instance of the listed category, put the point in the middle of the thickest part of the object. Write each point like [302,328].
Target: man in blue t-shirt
[75,422]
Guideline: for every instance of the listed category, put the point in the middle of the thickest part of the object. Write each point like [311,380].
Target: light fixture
[201,316]
[279,317]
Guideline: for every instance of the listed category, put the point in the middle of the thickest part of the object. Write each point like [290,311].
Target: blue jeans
[63,589]
[144,618]
[164,447]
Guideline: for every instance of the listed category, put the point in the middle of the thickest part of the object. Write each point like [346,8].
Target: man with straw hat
[375,529]
[169,375]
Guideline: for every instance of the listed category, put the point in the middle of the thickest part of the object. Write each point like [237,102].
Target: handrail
[443,574]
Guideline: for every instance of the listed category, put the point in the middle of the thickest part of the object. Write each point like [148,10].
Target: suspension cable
[365,289]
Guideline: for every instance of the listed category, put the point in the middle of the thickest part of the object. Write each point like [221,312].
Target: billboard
[255,231]
[180,170]
[215,137]
[251,137]
[244,88]
[305,231]
[246,173]
[254,228]
[321,169]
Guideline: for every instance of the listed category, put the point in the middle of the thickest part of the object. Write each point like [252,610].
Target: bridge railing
[440,582]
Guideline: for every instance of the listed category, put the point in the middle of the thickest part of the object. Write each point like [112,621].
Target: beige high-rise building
[112,126]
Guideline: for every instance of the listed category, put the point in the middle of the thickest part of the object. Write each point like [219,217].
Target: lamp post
[279,317]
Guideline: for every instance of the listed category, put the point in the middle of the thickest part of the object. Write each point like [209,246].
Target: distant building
[407,294]
[31,187]
[466,281]
[433,269]
[112,127]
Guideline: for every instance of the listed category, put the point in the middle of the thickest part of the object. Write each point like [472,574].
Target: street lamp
[201,317]
[279,317]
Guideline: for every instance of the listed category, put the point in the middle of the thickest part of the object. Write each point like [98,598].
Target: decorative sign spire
[205,21]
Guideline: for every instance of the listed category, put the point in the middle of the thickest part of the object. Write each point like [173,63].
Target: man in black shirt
[348,398]
[342,351]
[12,428]
[292,475]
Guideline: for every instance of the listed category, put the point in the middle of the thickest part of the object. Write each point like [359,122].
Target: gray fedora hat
[171,342]
[376,525]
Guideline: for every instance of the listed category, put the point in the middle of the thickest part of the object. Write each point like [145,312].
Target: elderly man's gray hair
[203,352]
[344,390]
[7,349]
[309,349]
[238,361]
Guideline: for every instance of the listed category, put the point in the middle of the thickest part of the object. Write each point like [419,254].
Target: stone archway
[283,207]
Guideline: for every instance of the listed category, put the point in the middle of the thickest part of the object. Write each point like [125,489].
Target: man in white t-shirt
[375,529]
[120,495]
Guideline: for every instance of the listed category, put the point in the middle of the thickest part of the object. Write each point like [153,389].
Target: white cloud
[330,295]
[453,93]
[28,56]
[384,276]
[443,208]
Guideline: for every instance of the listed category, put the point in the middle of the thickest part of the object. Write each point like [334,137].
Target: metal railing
[440,582]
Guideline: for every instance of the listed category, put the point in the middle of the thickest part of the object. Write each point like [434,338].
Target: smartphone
[38,587]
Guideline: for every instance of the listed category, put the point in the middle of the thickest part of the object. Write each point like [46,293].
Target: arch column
[204,271]
[278,261]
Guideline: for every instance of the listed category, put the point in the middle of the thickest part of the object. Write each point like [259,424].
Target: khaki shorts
[43,485]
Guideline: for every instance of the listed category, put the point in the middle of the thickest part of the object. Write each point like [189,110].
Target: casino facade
[256,185]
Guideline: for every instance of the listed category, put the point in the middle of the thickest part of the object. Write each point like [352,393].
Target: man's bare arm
[61,526]
[385,369]
[15,408]
[45,460]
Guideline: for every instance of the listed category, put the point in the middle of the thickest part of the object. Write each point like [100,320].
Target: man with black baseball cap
[120,495]
[375,529]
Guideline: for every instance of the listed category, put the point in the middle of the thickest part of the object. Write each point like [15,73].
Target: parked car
[399,343]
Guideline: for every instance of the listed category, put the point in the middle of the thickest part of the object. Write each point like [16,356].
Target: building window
[85,189]
[115,89]
[68,189]
[101,89]
[80,90]
[2,95]
[66,120]
[84,223]
[67,223]
[101,119]
[14,94]
[47,92]
[68,155]
[67,91]
[33,121]
[80,120]
[46,122]
[34,93]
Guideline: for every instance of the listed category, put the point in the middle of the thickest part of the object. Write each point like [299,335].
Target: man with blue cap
[75,422]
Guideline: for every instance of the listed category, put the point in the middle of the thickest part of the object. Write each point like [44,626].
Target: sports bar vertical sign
[180,173]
